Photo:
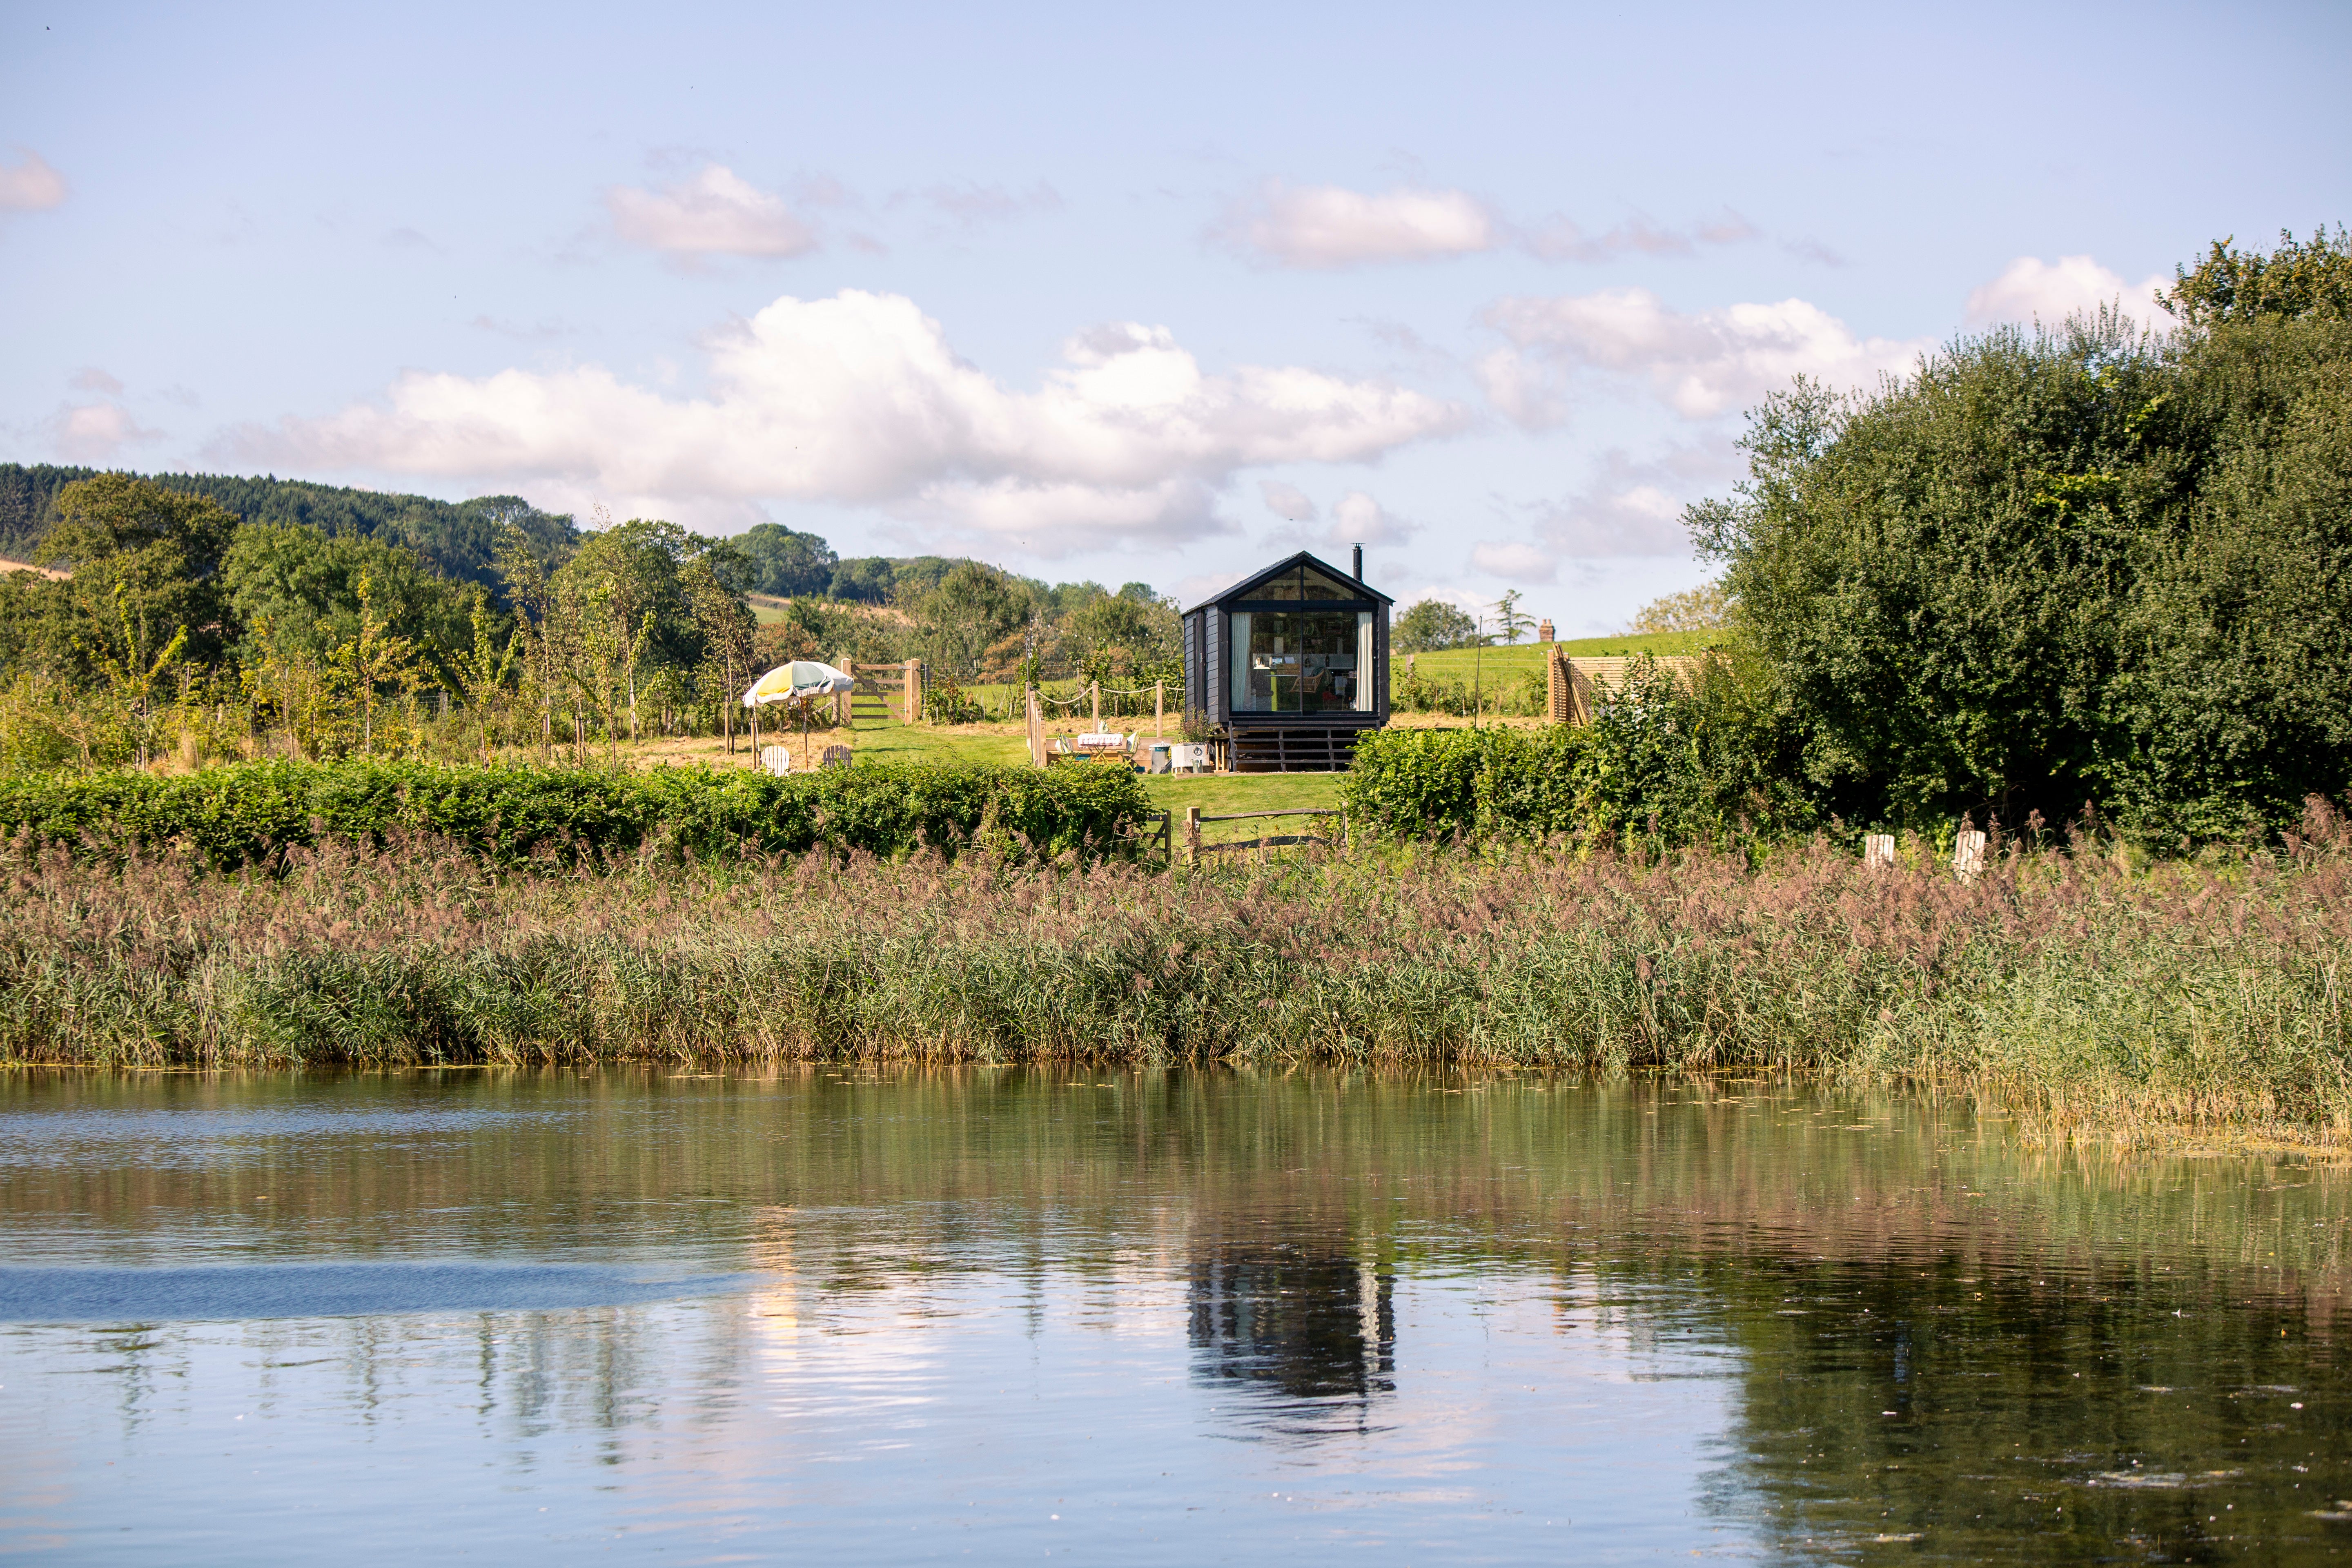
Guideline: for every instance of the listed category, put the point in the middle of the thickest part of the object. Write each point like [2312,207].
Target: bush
[1662,764]
[242,812]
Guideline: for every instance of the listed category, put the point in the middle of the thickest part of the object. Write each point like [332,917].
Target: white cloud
[1287,501]
[1358,519]
[1634,507]
[2030,289]
[1323,227]
[91,378]
[1701,363]
[1562,240]
[716,213]
[94,432]
[859,399]
[29,185]
[1515,562]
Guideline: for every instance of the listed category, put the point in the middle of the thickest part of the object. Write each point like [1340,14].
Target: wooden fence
[1577,685]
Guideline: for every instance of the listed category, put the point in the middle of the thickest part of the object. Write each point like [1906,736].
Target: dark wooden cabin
[1289,665]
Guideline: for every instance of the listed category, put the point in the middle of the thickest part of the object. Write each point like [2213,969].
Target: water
[834,1315]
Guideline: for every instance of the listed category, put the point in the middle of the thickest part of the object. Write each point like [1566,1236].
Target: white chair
[777,760]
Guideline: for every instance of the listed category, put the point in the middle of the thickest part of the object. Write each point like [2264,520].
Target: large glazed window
[1311,661]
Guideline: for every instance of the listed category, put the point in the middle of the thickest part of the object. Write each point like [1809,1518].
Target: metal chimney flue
[1360,564]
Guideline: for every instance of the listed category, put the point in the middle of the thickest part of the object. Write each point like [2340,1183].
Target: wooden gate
[884,692]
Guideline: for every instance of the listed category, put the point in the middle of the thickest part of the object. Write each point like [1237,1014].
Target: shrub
[1661,764]
[243,812]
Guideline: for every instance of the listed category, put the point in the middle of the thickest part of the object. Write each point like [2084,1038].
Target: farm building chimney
[1360,564]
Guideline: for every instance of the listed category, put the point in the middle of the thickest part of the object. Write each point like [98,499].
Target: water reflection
[997,1312]
[1311,1323]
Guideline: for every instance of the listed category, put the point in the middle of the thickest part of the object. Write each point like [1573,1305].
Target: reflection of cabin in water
[1305,1322]
[1289,665]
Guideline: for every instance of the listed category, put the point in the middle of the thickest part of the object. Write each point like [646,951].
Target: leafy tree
[967,611]
[460,538]
[305,585]
[1704,608]
[138,550]
[1509,624]
[2066,565]
[1431,626]
[784,563]
[2297,280]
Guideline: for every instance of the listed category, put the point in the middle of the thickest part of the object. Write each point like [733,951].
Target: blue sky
[1091,292]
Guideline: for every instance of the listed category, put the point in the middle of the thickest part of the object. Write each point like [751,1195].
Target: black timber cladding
[1208,692]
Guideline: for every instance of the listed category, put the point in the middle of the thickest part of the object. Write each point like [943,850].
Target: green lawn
[1504,663]
[891,741]
[1213,793]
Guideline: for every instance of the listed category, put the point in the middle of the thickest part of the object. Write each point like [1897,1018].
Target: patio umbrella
[794,683]
[801,678]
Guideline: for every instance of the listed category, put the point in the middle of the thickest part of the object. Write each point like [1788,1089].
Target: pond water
[983,1314]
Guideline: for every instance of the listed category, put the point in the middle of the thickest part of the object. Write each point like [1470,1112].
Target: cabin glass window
[1314,661]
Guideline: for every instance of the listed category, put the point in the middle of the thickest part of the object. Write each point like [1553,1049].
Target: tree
[304,586]
[483,669]
[728,631]
[2066,565]
[1704,608]
[970,608]
[1509,624]
[2294,282]
[1431,626]
[784,563]
[137,549]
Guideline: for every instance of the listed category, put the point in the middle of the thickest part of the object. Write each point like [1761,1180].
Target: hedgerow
[242,812]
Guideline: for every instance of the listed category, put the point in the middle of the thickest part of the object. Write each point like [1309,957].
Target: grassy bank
[2188,996]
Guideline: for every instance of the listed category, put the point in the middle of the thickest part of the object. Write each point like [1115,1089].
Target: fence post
[910,691]
[1094,706]
[1158,709]
[1036,730]
[1878,851]
[1192,836]
[1969,853]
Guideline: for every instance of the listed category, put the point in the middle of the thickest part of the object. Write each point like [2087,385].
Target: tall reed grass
[2082,990]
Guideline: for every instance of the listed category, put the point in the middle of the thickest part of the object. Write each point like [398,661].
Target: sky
[1132,294]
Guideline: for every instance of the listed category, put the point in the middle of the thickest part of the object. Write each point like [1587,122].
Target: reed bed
[2185,995]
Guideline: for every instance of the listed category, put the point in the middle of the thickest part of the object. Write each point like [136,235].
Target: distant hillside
[458,537]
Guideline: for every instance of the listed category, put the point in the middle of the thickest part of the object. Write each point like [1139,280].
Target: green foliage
[298,589]
[460,538]
[1431,625]
[1662,763]
[242,814]
[1704,608]
[2065,565]
[784,563]
[2295,280]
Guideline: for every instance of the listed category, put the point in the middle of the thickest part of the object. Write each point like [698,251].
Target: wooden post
[755,734]
[911,697]
[1158,709]
[1969,854]
[1878,851]
[1094,706]
[1036,730]
[1192,836]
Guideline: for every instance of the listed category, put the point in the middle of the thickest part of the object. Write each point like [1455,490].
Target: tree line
[2074,573]
[164,622]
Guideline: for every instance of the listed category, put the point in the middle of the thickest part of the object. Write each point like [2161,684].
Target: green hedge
[240,813]
[1478,783]
[1663,762]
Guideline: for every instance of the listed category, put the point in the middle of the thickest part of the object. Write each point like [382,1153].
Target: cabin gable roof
[1254,585]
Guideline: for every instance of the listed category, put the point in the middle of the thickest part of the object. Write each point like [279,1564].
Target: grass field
[1003,744]
[1503,664]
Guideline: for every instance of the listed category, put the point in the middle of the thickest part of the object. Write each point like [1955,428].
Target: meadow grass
[2182,997]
